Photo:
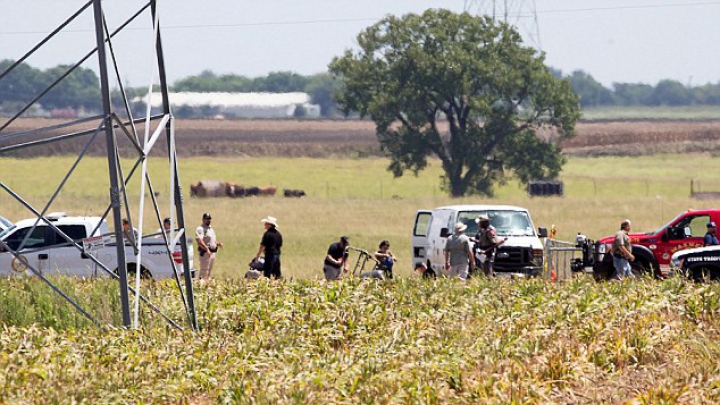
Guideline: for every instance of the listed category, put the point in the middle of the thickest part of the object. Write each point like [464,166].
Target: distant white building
[238,105]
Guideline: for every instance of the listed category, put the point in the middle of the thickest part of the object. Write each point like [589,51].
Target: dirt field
[322,138]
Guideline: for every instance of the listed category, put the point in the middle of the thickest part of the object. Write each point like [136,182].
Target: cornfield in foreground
[355,341]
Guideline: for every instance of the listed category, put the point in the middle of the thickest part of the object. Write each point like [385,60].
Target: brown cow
[230,189]
[194,189]
[268,191]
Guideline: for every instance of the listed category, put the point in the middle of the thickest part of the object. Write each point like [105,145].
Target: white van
[520,255]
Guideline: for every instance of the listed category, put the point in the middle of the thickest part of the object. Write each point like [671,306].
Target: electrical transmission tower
[519,13]
[116,123]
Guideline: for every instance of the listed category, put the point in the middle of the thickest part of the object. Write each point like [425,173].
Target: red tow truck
[653,250]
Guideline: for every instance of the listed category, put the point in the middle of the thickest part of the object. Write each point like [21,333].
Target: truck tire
[640,267]
[604,270]
[644,264]
[144,273]
[703,272]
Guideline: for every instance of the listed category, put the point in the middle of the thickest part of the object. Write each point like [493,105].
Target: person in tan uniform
[208,245]
[486,244]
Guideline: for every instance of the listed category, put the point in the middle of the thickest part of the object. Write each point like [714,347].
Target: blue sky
[613,40]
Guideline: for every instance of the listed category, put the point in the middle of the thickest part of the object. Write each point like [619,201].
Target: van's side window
[422,224]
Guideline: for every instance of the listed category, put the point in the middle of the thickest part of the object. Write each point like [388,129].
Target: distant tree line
[665,93]
[320,86]
[81,89]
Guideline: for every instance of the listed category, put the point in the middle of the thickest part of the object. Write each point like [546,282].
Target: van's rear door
[420,236]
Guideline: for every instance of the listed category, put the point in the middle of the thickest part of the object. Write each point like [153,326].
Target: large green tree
[462,88]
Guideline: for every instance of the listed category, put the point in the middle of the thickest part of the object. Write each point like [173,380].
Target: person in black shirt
[271,245]
[336,259]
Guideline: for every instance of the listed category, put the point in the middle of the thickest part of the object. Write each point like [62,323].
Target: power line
[249,24]
[364,19]
[667,5]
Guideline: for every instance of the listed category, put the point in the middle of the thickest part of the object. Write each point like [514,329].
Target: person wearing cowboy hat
[270,245]
[458,253]
[486,243]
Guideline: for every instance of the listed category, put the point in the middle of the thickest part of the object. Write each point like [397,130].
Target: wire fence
[638,187]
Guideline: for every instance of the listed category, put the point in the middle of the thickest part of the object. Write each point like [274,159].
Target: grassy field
[400,341]
[359,198]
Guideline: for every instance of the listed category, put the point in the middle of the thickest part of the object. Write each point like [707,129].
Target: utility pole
[519,13]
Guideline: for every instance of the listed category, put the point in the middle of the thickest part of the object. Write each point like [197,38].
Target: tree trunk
[458,187]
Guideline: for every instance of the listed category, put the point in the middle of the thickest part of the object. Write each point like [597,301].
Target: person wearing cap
[207,245]
[422,270]
[336,259]
[486,244]
[270,244]
[621,251]
[710,238]
[458,253]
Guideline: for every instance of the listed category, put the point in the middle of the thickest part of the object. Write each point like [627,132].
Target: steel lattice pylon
[519,13]
[113,123]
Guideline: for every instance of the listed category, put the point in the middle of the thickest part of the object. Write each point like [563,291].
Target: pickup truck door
[31,251]
[675,238]
[62,258]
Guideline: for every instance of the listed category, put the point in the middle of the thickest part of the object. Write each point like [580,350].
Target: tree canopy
[462,88]
[81,88]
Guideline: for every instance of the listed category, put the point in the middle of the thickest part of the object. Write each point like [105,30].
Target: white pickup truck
[520,255]
[49,253]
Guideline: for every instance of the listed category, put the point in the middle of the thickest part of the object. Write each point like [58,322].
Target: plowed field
[322,138]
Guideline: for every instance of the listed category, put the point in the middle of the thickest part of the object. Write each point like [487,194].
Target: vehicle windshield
[6,231]
[506,223]
[672,221]
[5,223]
